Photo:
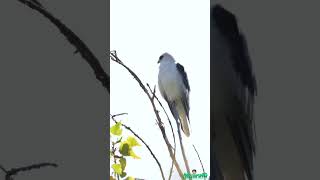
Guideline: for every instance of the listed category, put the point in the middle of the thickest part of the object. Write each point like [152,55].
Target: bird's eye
[160,58]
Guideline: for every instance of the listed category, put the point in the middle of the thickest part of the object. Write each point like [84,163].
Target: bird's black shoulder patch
[227,25]
[226,21]
[184,76]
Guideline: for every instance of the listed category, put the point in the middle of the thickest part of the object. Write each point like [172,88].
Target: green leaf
[116,129]
[123,163]
[132,141]
[130,178]
[124,149]
[123,174]
[117,168]
[132,154]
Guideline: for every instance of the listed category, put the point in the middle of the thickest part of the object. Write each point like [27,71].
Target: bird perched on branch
[174,88]
[233,92]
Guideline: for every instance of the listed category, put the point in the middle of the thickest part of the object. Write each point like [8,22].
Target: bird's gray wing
[184,76]
[227,24]
[240,118]
[171,104]
[186,89]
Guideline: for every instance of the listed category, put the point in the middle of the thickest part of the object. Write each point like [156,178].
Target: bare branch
[136,135]
[173,134]
[3,169]
[74,40]
[182,148]
[199,158]
[15,171]
[120,114]
[115,58]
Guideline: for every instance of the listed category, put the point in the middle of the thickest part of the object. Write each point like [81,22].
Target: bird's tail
[183,119]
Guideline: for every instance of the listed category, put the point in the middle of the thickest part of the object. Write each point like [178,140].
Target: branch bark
[74,40]
[15,171]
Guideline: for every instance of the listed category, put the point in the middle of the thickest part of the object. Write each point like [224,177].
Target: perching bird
[233,92]
[174,88]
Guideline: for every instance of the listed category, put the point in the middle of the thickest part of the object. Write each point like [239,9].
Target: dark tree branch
[15,171]
[73,39]
[135,134]
[37,3]
[120,114]
[115,58]
[199,158]
[3,169]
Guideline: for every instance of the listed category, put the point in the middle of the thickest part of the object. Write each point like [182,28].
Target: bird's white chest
[170,82]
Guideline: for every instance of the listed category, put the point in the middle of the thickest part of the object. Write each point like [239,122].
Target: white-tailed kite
[233,91]
[174,88]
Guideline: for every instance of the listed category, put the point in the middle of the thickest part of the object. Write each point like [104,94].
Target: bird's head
[165,57]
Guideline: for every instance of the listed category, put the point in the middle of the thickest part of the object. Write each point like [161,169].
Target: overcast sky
[141,31]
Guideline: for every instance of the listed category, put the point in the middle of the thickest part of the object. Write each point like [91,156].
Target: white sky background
[141,30]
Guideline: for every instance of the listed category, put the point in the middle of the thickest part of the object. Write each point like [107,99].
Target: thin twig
[136,135]
[182,148]
[113,150]
[199,158]
[74,40]
[120,114]
[159,122]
